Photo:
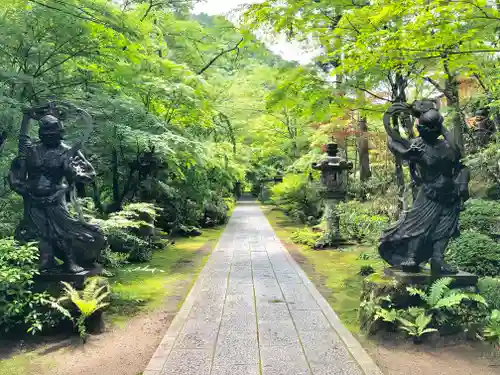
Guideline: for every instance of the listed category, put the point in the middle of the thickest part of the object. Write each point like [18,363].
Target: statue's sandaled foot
[74,268]
[47,265]
[440,267]
[410,265]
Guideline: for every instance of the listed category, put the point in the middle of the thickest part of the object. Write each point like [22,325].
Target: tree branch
[88,18]
[435,84]
[219,55]
[373,94]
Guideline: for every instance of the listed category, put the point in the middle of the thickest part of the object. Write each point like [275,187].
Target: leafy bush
[486,162]
[131,231]
[11,212]
[216,211]
[138,249]
[481,215]
[492,330]
[305,236]
[381,183]
[298,198]
[113,259]
[453,310]
[20,306]
[476,253]
[489,288]
[420,311]
[178,207]
[358,222]
[366,270]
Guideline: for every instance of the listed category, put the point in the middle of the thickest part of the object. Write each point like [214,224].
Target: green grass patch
[334,272]
[25,363]
[136,290]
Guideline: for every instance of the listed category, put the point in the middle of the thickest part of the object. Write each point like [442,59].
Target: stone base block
[77,279]
[461,279]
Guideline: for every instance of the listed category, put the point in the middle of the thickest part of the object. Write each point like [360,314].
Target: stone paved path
[253,311]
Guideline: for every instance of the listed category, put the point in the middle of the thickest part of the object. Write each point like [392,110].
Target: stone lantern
[334,173]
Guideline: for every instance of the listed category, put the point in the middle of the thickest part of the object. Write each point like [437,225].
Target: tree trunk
[363,148]
[398,94]
[364,156]
[115,178]
[3,139]
[96,196]
[398,171]
[452,100]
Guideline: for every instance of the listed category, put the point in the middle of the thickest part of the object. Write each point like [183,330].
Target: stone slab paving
[253,311]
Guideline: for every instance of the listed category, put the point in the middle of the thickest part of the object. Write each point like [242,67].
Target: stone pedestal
[95,323]
[77,279]
[461,279]
[331,237]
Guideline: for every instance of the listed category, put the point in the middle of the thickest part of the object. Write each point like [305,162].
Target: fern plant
[88,302]
[417,328]
[442,303]
[492,330]
[376,309]
[440,296]
[386,315]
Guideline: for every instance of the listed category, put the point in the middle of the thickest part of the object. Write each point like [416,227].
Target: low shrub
[481,215]
[476,253]
[418,312]
[216,211]
[131,231]
[138,249]
[305,236]
[21,308]
[366,270]
[11,213]
[298,198]
[359,223]
[492,330]
[112,259]
[489,288]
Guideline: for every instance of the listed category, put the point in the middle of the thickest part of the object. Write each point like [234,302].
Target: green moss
[25,363]
[379,278]
[335,273]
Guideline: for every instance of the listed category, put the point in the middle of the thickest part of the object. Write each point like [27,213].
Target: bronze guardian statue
[44,173]
[423,232]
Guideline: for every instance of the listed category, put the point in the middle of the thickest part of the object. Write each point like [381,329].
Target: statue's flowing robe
[40,174]
[435,212]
